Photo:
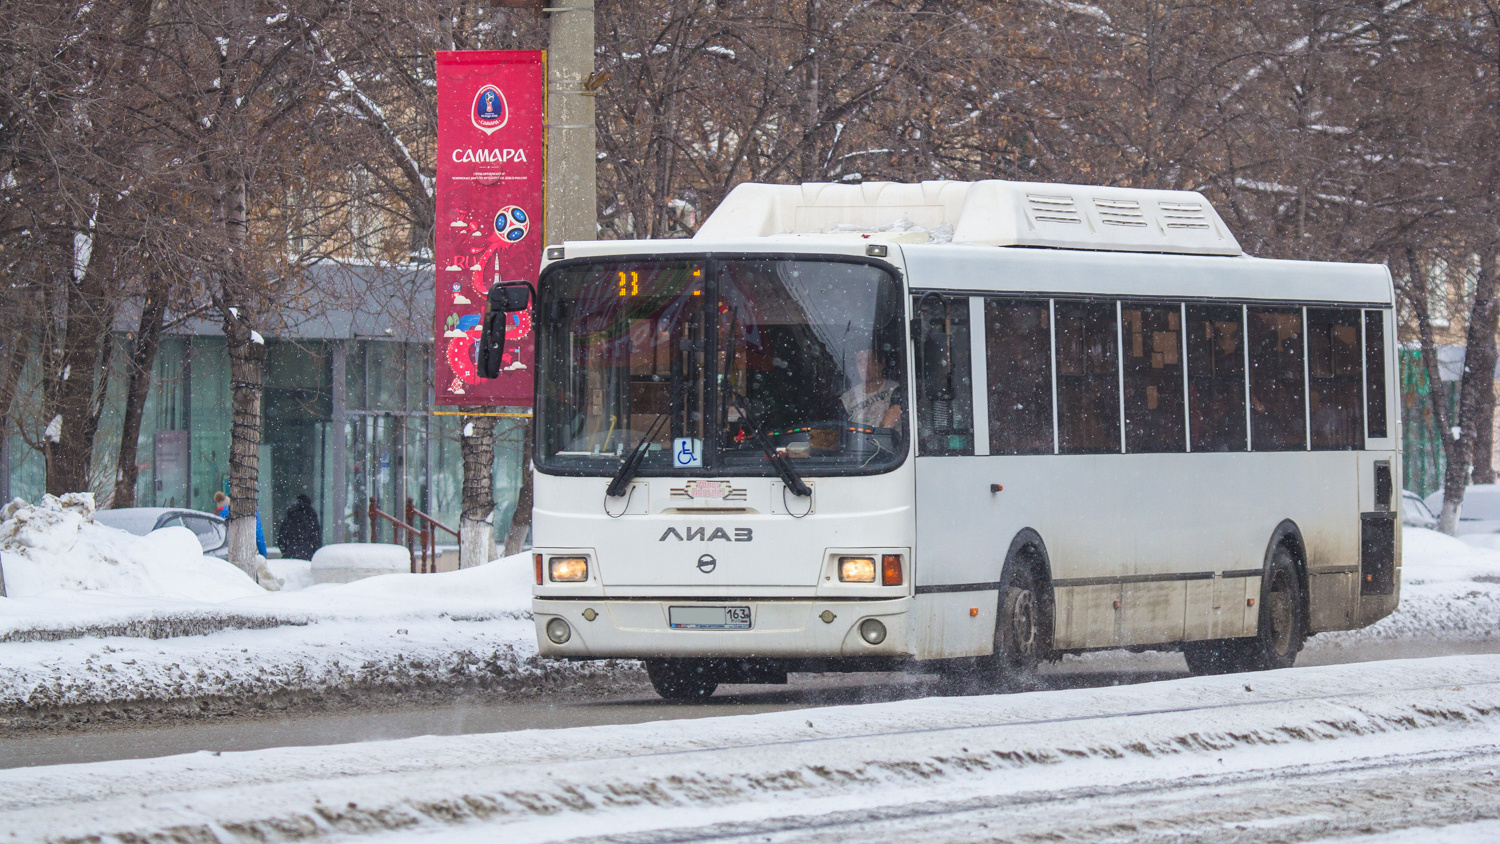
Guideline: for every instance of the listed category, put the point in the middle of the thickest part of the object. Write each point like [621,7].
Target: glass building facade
[346,418]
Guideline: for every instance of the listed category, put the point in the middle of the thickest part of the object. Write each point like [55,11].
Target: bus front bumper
[779,629]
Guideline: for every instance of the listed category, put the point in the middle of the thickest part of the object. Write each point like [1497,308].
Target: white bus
[956,427]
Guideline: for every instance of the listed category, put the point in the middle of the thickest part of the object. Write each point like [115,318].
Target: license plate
[709,618]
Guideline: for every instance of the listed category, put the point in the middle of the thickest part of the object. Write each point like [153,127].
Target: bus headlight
[871,630]
[857,569]
[559,631]
[568,569]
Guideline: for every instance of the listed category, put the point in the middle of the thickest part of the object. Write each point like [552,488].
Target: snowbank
[728,776]
[100,616]
[347,562]
[1450,591]
[54,546]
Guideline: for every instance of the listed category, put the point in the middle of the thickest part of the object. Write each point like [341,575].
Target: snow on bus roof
[990,212]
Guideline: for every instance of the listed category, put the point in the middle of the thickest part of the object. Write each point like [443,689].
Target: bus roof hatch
[990,212]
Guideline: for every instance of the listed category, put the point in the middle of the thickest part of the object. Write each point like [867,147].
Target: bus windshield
[701,356]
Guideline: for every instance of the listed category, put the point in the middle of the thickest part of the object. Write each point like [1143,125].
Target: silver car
[1414,512]
[1479,512]
[211,530]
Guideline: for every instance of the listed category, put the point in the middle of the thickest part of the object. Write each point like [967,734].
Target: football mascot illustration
[483,243]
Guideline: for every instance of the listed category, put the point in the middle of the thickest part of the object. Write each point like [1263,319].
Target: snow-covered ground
[1336,751]
[98,617]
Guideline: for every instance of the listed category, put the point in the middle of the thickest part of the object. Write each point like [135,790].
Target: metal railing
[429,526]
[420,532]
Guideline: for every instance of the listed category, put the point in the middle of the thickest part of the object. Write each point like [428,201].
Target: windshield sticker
[687,453]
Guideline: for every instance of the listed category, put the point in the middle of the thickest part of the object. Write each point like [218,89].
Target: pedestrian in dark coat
[300,533]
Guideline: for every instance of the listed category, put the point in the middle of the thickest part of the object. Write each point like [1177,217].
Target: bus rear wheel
[681,679]
[1280,633]
[1283,622]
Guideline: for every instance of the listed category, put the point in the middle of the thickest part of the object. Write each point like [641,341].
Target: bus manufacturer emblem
[702,534]
[707,563]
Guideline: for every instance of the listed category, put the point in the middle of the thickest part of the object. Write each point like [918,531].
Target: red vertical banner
[490,170]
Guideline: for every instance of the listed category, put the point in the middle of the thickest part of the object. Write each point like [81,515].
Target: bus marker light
[857,569]
[568,569]
[589,614]
[537,559]
[827,616]
[872,631]
[890,570]
[1249,602]
[973,612]
[559,631]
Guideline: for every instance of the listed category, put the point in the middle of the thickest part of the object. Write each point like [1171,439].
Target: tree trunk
[246,369]
[142,359]
[1479,368]
[82,372]
[247,359]
[1484,435]
[15,362]
[476,526]
[520,521]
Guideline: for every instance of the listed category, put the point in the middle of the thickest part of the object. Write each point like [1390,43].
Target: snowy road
[1320,753]
[467,715]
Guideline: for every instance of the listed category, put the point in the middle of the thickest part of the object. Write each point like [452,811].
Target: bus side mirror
[504,299]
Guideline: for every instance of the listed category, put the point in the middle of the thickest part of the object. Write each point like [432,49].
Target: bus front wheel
[681,679]
[1020,629]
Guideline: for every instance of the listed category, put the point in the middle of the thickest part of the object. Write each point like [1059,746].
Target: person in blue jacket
[221,509]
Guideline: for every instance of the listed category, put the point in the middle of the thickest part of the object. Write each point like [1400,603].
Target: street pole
[572,196]
[572,202]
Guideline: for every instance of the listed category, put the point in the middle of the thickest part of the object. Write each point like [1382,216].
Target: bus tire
[681,679]
[1279,634]
[1020,627]
[1283,617]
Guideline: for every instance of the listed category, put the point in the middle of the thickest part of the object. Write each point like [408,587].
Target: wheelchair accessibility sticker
[687,453]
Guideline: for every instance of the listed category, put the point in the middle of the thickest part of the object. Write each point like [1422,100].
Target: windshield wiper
[778,460]
[621,480]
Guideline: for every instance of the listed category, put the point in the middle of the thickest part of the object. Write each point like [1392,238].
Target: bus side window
[1154,421]
[1216,377]
[1019,347]
[1278,414]
[1334,374]
[1375,374]
[1088,378]
[945,392]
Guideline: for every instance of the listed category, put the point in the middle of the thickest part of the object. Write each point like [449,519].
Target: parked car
[1479,512]
[211,530]
[1414,511]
